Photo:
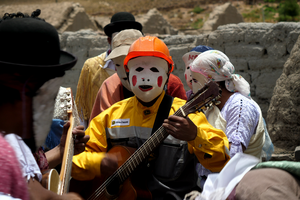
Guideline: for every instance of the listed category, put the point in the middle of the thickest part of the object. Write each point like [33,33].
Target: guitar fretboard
[73,118]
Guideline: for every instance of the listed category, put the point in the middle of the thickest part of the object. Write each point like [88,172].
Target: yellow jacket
[127,119]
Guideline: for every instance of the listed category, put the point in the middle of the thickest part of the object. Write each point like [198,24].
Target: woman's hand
[80,138]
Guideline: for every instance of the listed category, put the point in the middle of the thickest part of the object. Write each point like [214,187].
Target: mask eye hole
[154,69]
[195,80]
[188,67]
[139,69]
[118,65]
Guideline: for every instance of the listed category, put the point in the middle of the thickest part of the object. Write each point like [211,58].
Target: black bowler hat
[121,21]
[31,45]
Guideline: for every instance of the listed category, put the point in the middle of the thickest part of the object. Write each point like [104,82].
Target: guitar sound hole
[113,187]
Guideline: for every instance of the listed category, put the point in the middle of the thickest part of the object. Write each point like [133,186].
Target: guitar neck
[65,173]
[66,166]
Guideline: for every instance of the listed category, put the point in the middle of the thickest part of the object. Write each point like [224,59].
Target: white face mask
[119,63]
[188,58]
[188,76]
[43,107]
[147,76]
[198,81]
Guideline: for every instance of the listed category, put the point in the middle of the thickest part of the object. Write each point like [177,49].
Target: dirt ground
[184,18]
[179,13]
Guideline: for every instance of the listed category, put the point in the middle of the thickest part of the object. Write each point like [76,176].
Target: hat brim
[111,28]
[118,51]
[66,62]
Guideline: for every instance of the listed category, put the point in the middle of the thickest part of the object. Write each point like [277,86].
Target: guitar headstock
[64,105]
[204,98]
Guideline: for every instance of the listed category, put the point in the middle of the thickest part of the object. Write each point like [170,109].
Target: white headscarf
[216,66]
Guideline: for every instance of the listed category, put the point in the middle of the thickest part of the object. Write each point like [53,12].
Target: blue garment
[55,133]
[268,147]
[201,48]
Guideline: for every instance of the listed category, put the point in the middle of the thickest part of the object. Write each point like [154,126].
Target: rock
[284,110]
[221,15]
[65,16]
[154,23]
[101,22]
[77,20]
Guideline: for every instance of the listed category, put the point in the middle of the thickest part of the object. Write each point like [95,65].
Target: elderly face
[147,76]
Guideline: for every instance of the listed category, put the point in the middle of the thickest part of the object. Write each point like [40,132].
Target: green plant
[197,10]
[253,15]
[269,13]
[198,23]
[288,10]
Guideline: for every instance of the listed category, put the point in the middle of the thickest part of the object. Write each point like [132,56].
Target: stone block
[214,39]
[239,34]
[292,39]
[239,64]
[244,50]
[96,51]
[277,50]
[266,63]
[179,39]
[264,84]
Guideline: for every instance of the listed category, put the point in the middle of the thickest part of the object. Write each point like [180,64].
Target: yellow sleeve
[210,145]
[87,164]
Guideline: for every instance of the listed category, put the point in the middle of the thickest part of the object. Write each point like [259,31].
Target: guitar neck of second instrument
[66,166]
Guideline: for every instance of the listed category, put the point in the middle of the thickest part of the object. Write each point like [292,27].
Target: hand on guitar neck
[178,127]
[55,155]
[80,138]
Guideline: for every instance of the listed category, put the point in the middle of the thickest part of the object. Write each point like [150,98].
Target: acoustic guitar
[66,110]
[119,185]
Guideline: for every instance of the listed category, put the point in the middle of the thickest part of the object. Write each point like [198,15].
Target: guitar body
[128,190]
[51,180]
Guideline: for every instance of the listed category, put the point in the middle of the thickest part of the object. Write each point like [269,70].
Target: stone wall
[284,110]
[257,50]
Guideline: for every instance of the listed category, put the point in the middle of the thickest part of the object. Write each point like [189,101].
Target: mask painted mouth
[145,88]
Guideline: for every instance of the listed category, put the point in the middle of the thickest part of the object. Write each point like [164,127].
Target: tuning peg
[201,110]
[217,102]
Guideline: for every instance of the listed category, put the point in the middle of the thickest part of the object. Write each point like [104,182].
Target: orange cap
[149,46]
